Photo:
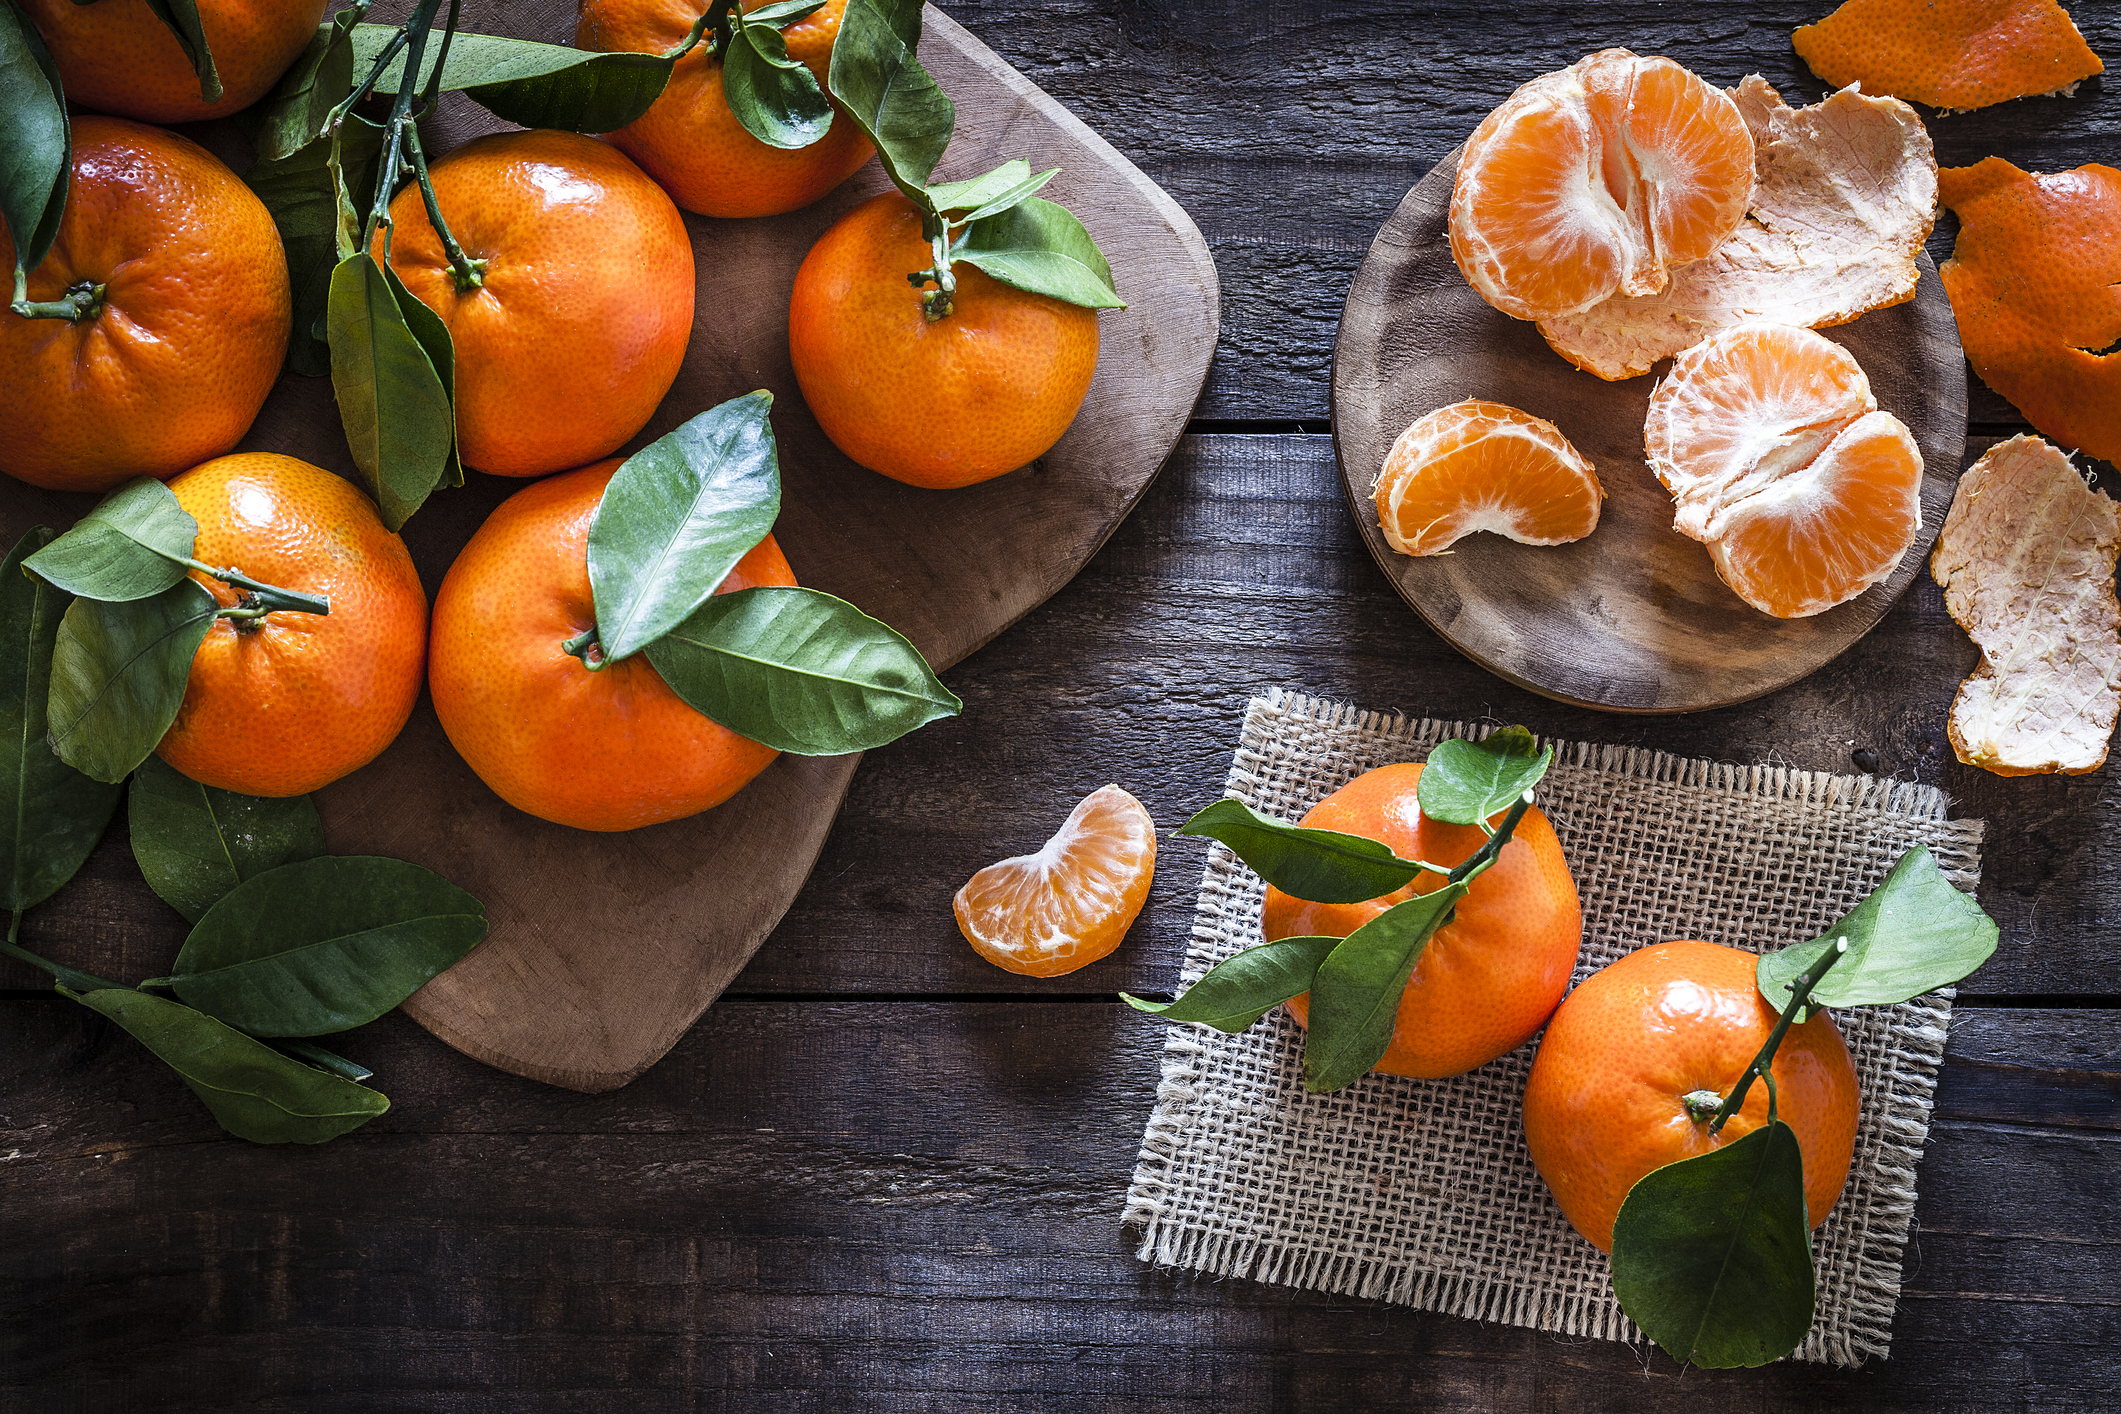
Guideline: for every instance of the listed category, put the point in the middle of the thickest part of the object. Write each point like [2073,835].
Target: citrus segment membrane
[1952,54]
[2035,284]
[2026,561]
[1070,903]
[1595,180]
[1845,195]
[1479,465]
[1779,460]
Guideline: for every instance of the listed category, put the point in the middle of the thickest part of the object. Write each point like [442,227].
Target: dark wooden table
[880,1173]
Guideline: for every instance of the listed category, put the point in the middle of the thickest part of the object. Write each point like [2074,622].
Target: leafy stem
[1477,863]
[72,977]
[82,301]
[401,137]
[261,598]
[1800,989]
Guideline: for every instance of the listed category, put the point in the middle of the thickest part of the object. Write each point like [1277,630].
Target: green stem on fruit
[73,977]
[395,146]
[1478,862]
[470,274]
[936,303]
[263,598]
[716,21]
[588,648]
[1800,990]
[82,301]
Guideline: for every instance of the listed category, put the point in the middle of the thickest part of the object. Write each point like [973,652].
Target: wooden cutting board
[605,948]
[1632,618]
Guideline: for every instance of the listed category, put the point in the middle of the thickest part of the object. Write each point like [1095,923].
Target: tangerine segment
[1490,977]
[1594,180]
[1949,53]
[2035,283]
[1605,1101]
[1484,466]
[1045,914]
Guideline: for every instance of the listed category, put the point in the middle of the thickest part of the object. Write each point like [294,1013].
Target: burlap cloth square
[1421,1192]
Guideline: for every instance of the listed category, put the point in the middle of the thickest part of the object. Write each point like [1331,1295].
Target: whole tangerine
[583,306]
[689,141]
[985,389]
[115,56]
[1488,979]
[1607,1101]
[609,749]
[183,317]
[289,702]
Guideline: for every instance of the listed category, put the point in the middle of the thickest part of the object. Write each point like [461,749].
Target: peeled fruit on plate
[1049,913]
[1607,1100]
[1949,53]
[1479,465]
[1596,180]
[1779,460]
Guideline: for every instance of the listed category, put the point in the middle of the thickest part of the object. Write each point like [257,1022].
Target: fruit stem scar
[1799,991]
[82,301]
[262,599]
[586,647]
[937,303]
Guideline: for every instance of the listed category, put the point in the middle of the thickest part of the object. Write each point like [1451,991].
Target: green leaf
[392,401]
[1465,782]
[327,944]
[1240,990]
[677,517]
[292,116]
[303,194]
[50,814]
[130,546]
[1041,248]
[36,144]
[800,671]
[433,337]
[531,84]
[1712,1256]
[254,1091]
[182,17]
[1355,997]
[991,193]
[775,98]
[1324,866]
[880,83]
[118,676]
[785,13]
[196,843]
[1912,934]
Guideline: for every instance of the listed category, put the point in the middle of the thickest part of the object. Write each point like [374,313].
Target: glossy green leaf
[1324,866]
[182,17]
[1041,248]
[1240,990]
[801,671]
[392,401]
[130,546]
[118,676]
[196,843]
[677,517]
[50,814]
[330,1062]
[1355,996]
[36,144]
[783,13]
[292,116]
[531,84]
[433,337]
[1912,934]
[1712,1256]
[775,98]
[254,1091]
[880,83]
[330,943]
[303,193]
[1465,782]
[992,192]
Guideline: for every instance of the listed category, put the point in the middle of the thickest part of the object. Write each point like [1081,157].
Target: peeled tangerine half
[1594,181]
[1484,466]
[1069,904]
[1779,460]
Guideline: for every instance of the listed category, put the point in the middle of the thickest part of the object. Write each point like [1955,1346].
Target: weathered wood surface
[932,1222]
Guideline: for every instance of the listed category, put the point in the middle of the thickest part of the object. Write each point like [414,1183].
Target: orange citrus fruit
[1479,465]
[1606,1102]
[185,320]
[985,389]
[611,749]
[1949,53]
[1069,904]
[689,140]
[584,306]
[1594,181]
[1489,978]
[1779,461]
[116,57]
[284,704]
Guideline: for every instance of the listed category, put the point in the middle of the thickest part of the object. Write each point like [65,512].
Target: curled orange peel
[1952,54]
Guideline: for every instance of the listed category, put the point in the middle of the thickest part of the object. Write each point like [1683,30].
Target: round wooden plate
[1631,618]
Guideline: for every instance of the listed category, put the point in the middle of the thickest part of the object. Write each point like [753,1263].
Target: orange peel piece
[2035,283]
[1952,54]
[1478,465]
[2026,561]
[1845,194]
